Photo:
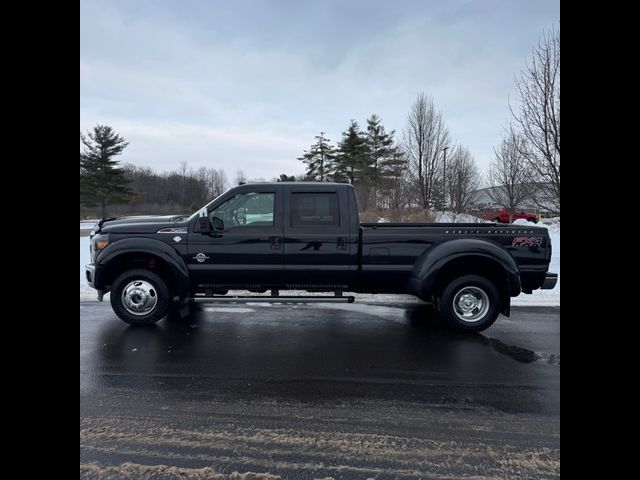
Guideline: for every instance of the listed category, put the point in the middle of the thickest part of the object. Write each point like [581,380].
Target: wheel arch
[148,254]
[447,260]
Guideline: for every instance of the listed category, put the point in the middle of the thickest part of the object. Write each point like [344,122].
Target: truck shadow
[424,319]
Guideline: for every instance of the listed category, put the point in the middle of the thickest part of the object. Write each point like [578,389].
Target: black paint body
[377,258]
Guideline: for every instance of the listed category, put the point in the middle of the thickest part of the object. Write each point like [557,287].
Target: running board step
[265,299]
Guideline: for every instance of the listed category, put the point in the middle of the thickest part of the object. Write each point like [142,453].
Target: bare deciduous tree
[538,118]
[463,179]
[183,173]
[424,138]
[217,182]
[509,173]
[241,178]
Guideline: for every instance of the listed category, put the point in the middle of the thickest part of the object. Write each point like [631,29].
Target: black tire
[158,290]
[534,220]
[478,287]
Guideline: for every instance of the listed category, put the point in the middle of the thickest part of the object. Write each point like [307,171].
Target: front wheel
[140,297]
[470,303]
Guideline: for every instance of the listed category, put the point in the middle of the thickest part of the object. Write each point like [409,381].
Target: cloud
[248,84]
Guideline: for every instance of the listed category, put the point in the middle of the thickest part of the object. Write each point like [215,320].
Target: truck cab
[273,236]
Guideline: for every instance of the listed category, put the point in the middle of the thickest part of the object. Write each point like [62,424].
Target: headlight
[98,243]
[101,244]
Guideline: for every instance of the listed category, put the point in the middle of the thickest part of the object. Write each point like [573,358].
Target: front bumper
[90,273]
[550,280]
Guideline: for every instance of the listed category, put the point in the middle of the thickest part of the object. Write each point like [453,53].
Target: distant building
[482,200]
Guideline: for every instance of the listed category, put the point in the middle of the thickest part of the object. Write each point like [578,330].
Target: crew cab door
[248,252]
[317,240]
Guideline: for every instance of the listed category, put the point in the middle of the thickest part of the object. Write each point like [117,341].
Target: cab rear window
[314,209]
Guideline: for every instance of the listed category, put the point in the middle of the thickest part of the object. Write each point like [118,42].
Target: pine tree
[439,197]
[380,145]
[286,178]
[319,159]
[352,159]
[102,181]
[393,179]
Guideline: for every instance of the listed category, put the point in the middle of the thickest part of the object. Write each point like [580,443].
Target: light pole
[444,179]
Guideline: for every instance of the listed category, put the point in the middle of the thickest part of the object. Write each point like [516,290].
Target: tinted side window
[314,209]
[251,208]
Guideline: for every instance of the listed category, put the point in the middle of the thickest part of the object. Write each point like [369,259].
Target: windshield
[205,208]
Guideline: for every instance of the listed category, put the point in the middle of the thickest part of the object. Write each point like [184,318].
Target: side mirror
[218,224]
[203,225]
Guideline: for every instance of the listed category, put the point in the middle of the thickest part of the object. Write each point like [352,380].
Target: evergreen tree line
[369,159]
[380,168]
[393,173]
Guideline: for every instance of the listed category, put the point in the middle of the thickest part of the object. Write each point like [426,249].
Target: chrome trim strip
[173,230]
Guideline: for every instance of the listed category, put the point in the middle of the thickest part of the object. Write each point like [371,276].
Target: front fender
[144,245]
[426,267]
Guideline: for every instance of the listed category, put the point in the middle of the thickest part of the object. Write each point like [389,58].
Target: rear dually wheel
[469,303]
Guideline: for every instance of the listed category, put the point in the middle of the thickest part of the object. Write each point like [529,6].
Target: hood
[140,224]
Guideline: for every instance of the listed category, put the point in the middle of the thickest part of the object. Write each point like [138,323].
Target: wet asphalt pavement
[315,391]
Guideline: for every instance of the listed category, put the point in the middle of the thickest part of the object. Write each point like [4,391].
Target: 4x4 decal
[527,242]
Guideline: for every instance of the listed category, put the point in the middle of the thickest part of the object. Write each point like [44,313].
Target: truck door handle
[342,243]
[276,243]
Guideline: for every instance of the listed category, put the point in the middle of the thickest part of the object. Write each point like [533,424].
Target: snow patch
[451,217]
[522,221]
[86,292]
[553,224]
[84,259]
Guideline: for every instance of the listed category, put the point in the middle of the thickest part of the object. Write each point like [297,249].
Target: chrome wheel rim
[139,297]
[471,304]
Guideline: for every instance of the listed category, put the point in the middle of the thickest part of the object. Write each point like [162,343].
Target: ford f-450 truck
[307,236]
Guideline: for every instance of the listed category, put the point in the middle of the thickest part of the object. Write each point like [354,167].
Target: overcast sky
[247,84]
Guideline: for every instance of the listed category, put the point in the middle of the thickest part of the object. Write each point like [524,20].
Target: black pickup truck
[307,236]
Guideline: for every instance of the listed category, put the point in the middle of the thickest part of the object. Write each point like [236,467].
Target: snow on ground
[538,297]
[87,224]
[451,217]
[553,224]
[86,292]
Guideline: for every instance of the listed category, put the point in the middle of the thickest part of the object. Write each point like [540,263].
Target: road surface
[319,391]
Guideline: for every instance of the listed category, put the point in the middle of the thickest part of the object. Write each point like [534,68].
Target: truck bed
[389,250]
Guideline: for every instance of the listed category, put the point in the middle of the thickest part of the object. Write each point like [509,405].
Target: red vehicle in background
[502,216]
